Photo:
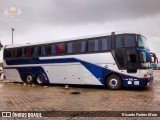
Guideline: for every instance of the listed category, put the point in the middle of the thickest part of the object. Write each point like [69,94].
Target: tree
[1,46]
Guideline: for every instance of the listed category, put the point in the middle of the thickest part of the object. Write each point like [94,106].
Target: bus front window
[142,42]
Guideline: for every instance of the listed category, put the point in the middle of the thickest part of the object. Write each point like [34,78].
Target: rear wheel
[29,79]
[40,79]
[114,82]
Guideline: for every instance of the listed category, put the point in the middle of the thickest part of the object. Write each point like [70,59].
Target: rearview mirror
[153,57]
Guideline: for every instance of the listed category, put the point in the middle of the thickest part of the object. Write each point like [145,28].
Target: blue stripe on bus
[27,61]
[98,71]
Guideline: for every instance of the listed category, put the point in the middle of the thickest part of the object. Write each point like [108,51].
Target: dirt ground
[22,97]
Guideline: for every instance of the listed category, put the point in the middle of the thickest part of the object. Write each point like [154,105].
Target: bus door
[131,58]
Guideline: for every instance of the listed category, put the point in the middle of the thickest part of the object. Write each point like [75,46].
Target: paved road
[19,97]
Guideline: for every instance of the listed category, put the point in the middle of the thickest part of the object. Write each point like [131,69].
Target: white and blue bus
[114,60]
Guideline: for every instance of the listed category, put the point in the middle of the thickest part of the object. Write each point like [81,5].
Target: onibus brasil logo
[12,11]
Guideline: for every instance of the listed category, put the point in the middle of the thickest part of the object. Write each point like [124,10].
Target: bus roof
[68,39]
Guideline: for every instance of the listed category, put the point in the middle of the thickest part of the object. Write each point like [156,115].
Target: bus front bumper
[141,82]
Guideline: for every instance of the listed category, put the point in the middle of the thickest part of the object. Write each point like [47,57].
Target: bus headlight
[145,75]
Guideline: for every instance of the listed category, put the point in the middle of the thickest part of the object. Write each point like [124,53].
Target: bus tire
[114,82]
[29,78]
[40,79]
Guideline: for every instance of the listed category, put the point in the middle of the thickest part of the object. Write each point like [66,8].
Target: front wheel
[114,82]
[40,79]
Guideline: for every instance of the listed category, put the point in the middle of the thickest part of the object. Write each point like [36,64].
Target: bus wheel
[114,82]
[29,79]
[40,79]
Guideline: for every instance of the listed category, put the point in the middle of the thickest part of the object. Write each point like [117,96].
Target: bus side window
[70,47]
[93,45]
[119,41]
[28,52]
[53,49]
[77,47]
[43,50]
[59,48]
[12,53]
[130,41]
[8,54]
[83,46]
[36,51]
[48,50]
[18,52]
[23,52]
[106,43]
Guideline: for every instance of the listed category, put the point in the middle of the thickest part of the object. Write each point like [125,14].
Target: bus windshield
[143,61]
[142,42]
[146,65]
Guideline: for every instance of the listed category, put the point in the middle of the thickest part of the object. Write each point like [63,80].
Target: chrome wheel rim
[40,79]
[29,78]
[113,82]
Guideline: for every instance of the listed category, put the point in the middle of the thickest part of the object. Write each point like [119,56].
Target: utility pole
[12,34]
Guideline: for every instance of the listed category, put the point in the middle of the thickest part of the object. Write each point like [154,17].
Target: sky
[45,20]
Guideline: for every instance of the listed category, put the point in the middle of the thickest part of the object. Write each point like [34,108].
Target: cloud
[51,19]
[64,12]
[73,12]
[94,11]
